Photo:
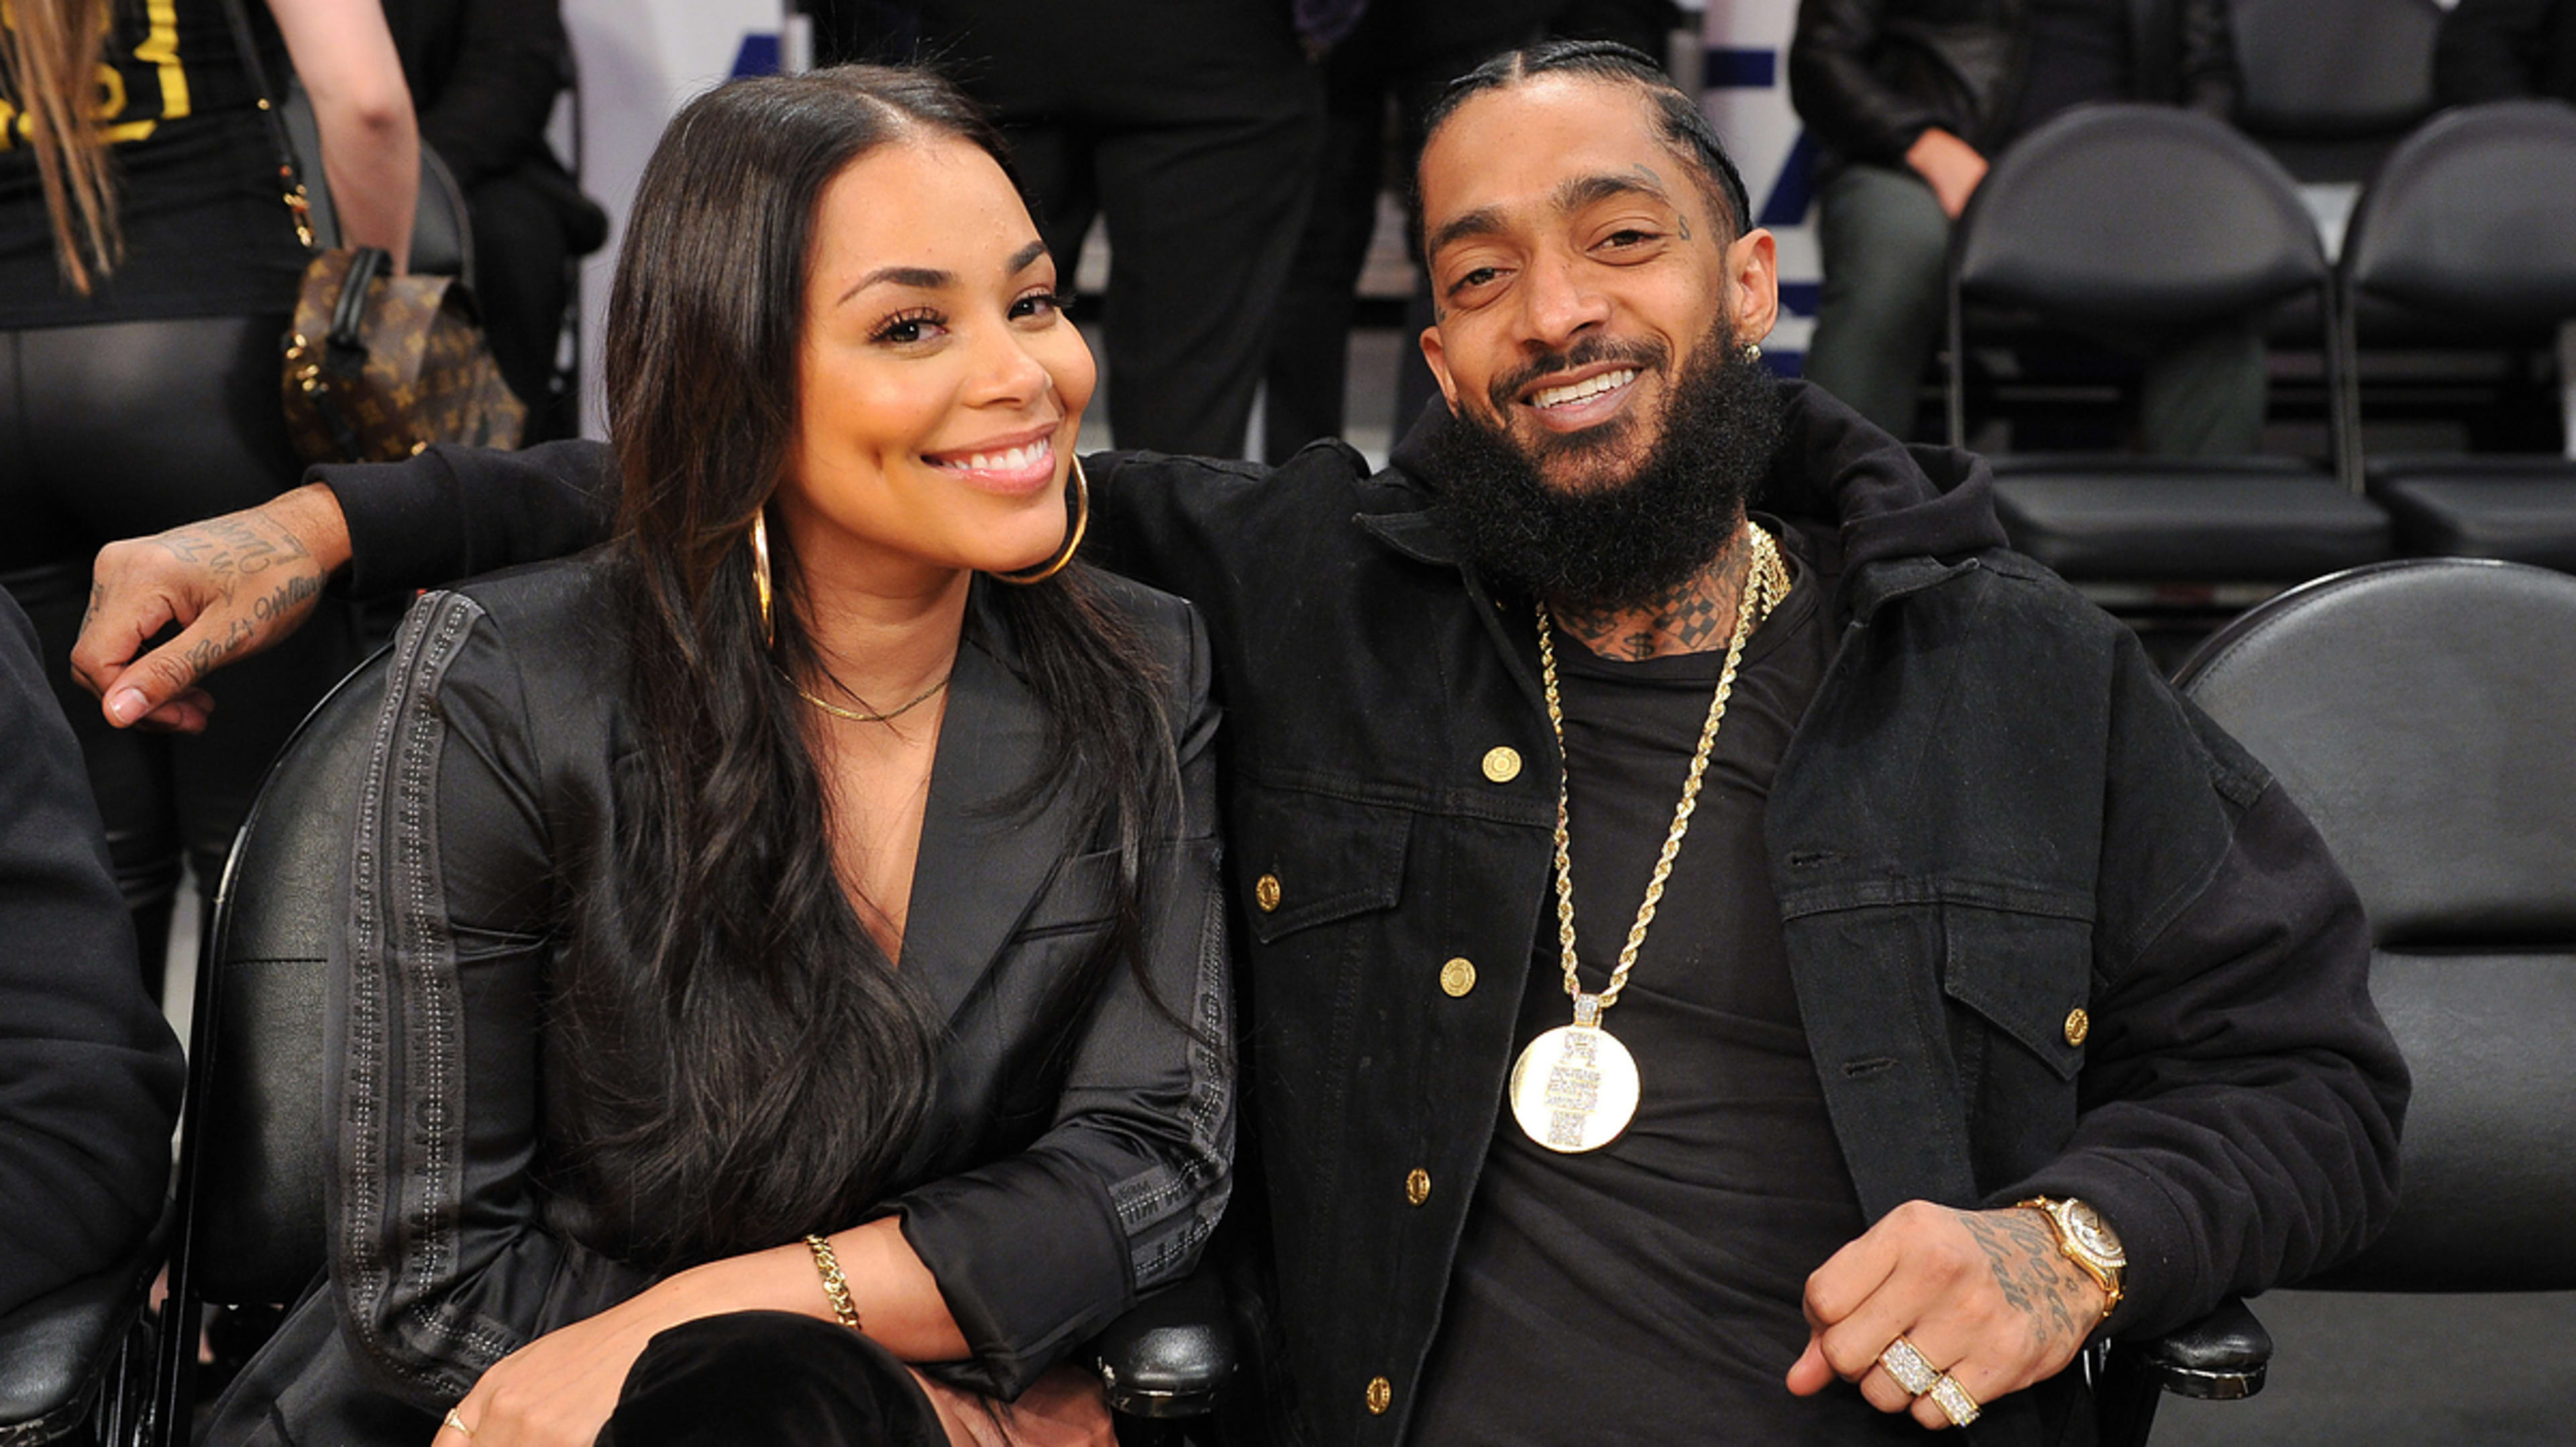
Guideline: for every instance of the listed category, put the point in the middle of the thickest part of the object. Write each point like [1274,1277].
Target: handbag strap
[349,313]
[289,175]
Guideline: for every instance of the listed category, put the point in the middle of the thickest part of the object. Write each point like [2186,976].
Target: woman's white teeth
[1589,387]
[1018,459]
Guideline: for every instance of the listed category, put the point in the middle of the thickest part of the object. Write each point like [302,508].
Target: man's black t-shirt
[1650,1290]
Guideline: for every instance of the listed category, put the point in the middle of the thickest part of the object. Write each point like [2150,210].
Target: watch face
[2091,1234]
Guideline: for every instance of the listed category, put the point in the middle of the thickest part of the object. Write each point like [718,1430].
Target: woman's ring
[457,1422]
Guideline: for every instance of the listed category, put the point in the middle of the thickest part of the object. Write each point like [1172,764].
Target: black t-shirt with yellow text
[205,229]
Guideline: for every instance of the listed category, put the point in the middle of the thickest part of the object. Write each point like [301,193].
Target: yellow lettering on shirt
[160,49]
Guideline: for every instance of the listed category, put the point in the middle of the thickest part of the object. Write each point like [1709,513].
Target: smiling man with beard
[1944,991]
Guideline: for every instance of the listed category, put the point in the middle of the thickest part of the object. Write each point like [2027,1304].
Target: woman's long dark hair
[745,1065]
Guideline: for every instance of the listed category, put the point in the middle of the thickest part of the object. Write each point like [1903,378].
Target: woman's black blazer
[488,805]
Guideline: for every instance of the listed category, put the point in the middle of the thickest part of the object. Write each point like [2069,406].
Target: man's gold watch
[2084,1238]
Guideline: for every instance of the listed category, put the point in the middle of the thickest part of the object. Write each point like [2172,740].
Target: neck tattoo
[1693,616]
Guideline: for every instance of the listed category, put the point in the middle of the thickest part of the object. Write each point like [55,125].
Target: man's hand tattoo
[229,547]
[2031,1271]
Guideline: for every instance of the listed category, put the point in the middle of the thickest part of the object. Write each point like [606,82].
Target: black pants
[1191,126]
[769,1376]
[123,429]
[1309,359]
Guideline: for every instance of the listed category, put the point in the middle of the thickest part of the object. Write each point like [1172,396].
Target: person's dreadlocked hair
[49,58]
[1684,127]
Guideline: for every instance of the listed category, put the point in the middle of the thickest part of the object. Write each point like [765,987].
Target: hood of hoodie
[1834,470]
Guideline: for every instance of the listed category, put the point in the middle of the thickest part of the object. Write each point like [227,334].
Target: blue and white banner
[1746,79]
[641,60]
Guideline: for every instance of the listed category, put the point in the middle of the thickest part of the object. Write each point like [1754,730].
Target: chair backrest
[2333,68]
[258,1142]
[2136,216]
[2420,713]
[2473,219]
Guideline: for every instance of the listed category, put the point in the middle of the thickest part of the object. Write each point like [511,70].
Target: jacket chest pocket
[1303,860]
[2019,986]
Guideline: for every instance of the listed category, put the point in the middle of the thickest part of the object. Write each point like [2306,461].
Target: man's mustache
[1591,351]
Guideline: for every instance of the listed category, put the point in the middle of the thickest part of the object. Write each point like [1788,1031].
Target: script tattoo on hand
[232,548]
[2034,1276]
[286,597]
[206,654]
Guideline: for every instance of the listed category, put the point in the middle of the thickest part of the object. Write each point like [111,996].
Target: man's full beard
[1620,544]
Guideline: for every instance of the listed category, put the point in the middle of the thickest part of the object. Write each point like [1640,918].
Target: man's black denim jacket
[1995,814]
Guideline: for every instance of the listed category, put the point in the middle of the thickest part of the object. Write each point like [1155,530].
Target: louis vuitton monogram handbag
[377,366]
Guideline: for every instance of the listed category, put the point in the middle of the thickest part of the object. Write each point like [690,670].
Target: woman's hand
[1064,1408]
[559,1390]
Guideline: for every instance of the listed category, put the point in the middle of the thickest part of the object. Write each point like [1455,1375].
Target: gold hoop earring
[760,575]
[1072,540]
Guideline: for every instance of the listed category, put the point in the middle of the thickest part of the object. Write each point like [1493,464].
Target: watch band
[2104,1274]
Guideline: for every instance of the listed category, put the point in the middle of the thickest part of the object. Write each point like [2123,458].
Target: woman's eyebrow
[931,278]
[925,278]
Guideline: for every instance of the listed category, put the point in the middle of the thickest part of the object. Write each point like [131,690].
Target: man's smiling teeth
[1587,388]
[1018,459]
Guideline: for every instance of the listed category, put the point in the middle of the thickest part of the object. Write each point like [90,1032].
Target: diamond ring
[1907,1366]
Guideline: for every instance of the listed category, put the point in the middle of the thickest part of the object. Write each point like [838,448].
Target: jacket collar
[991,740]
[1907,516]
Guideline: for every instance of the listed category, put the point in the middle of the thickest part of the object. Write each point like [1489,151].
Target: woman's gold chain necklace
[1575,1088]
[855,716]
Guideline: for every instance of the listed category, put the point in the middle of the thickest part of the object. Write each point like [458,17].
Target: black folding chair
[2471,226]
[2153,221]
[2418,712]
[77,1360]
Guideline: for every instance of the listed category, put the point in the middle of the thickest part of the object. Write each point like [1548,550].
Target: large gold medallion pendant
[1575,1087]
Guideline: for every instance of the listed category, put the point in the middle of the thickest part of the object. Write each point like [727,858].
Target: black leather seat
[255,1146]
[78,1357]
[2473,221]
[2420,713]
[2328,86]
[2148,220]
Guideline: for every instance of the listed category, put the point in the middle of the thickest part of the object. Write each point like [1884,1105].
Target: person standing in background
[1190,126]
[1908,100]
[484,75]
[148,266]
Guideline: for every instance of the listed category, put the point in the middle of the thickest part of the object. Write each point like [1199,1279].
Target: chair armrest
[1171,1355]
[56,1350]
[2219,1358]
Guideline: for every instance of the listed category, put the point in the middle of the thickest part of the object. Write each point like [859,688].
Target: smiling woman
[774,932]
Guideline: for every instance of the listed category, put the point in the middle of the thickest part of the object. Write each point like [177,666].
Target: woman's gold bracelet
[836,1287]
